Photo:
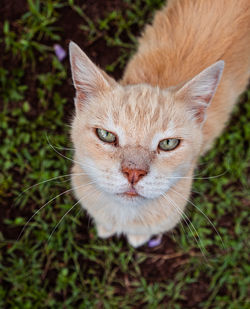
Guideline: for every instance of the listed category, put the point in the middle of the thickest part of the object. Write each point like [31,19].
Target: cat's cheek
[173,158]
[153,192]
[175,165]
[150,191]
[104,177]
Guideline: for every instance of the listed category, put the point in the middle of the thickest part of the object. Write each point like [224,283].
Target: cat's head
[137,141]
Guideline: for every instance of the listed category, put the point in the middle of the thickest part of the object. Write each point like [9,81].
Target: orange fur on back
[186,37]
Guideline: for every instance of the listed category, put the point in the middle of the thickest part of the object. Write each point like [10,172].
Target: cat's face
[139,117]
[135,142]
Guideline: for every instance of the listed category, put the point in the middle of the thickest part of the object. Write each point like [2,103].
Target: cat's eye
[169,144]
[106,136]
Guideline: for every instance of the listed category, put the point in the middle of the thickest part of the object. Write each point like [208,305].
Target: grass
[75,269]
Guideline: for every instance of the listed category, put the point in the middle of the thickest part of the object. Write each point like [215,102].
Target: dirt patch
[12,10]
[196,293]
[98,50]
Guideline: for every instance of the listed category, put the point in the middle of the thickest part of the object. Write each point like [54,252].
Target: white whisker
[60,154]
[47,180]
[47,204]
[64,148]
[203,215]
[185,217]
[74,161]
[197,192]
[54,229]
[210,177]
[68,125]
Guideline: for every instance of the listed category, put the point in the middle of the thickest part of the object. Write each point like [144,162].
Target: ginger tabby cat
[137,141]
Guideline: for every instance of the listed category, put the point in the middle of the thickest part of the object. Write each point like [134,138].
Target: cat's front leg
[103,231]
[137,240]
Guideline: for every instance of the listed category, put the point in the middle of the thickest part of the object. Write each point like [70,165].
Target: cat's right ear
[200,90]
[88,79]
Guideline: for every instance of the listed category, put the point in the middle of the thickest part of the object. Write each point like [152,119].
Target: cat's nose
[133,175]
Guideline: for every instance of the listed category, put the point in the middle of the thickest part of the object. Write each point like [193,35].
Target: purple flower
[155,241]
[60,52]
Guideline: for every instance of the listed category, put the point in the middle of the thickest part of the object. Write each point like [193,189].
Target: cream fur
[162,95]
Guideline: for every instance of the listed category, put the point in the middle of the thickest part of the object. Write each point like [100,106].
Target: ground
[203,268]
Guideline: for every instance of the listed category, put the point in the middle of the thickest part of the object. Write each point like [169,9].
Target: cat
[137,141]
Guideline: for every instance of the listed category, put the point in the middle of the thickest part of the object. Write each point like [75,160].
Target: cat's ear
[88,79]
[198,92]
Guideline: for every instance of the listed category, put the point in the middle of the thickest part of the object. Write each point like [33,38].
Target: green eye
[169,144]
[106,136]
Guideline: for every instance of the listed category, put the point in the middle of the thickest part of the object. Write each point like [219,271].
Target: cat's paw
[137,240]
[103,232]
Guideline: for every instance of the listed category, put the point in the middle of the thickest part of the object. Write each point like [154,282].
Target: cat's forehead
[142,107]
[139,114]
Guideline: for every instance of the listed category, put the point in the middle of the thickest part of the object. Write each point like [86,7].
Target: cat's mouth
[131,192]
[130,197]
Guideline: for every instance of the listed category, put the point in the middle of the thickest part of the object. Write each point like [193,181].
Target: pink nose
[133,175]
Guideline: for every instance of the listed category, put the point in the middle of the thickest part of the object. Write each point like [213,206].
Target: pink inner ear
[199,113]
[205,98]
[80,100]
[200,109]
[199,91]
[87,77]
[81,95]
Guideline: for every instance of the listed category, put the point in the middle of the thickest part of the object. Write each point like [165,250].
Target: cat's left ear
[88,79]
[199,91]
